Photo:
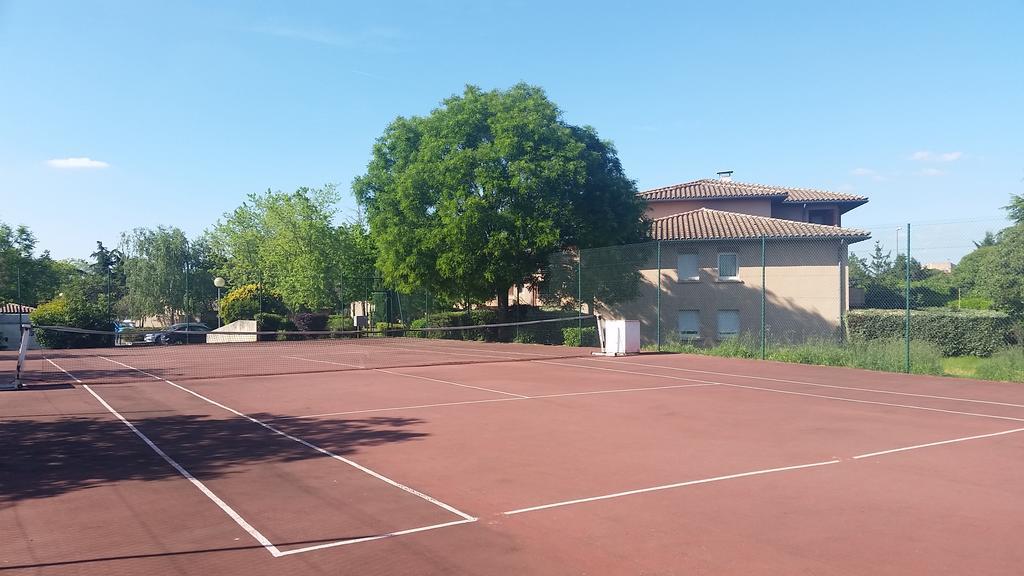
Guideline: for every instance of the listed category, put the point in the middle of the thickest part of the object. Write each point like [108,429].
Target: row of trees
[991,276]
[462,204]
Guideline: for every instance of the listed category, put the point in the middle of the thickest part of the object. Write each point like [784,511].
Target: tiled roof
[711,189]
[13,308]
[707,224]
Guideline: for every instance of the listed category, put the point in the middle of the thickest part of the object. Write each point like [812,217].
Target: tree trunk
[503,305]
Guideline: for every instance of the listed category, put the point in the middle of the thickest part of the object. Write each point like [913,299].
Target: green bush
[73,312]
[572,337]
[267,322]
[310,321]
[971,303]
[955,332]
[389,329]
[339,323]
[1007,364]
[245,302]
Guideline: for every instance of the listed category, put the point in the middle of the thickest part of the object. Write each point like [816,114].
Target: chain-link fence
[910,297]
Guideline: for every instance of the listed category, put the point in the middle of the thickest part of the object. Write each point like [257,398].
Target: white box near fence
[621,337]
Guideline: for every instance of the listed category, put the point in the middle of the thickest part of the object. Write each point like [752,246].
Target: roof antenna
[725,175]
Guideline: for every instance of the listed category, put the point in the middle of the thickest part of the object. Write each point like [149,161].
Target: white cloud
[867,173]
[931,172]
[83,162]
[929,156]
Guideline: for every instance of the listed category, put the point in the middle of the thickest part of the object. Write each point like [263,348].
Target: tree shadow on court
[46,457]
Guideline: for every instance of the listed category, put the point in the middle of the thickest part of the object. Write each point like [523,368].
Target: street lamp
[219,283]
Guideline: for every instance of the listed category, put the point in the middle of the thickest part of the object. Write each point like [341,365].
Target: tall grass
[1006,364]
[883,355]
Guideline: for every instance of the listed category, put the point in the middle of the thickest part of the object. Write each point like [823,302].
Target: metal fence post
[764,291]
[906,298]
[579,294]
[659,297]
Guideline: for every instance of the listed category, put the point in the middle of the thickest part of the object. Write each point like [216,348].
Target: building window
[826,217]
[689,324]
[686,265]
[728,323]
[728,266]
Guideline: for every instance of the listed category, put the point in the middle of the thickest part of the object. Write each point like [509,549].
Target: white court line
[256,534]
[561,395]
[992,402]
[308,444]
[953,441]
[411,376]
[839,398]
[668,487]
[370,538]
[452,383]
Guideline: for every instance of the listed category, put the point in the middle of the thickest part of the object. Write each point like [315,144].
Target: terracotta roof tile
[707,189]
[707,224]
[12,308]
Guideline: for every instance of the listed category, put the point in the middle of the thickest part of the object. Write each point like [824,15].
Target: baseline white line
[668,487]
[564,394]
[370,538]
[308,444]
[839,398]
[256,534]
[765,378]
[953,441]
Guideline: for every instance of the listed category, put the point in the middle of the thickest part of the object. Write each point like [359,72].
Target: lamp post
[219,283]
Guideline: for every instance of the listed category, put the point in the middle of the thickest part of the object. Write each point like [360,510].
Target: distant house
[710,282]
[11,317]
[946,267]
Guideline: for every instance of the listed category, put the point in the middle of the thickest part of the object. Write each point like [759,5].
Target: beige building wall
[756,207]
[806,290]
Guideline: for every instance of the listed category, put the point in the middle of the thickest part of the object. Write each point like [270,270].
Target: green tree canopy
[475,197]
[165,273]
[286,242]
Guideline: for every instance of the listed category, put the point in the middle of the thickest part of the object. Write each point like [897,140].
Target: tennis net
[95,357]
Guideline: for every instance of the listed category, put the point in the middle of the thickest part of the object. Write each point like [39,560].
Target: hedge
[571,337]
[76,313]
[246,301]
[955,332]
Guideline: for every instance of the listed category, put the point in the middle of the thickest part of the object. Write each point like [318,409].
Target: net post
[26,335]
[579,292]
[906,301]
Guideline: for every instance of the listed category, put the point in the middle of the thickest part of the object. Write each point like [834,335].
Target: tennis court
[417,456]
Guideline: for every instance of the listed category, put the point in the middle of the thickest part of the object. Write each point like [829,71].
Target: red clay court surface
[652,464]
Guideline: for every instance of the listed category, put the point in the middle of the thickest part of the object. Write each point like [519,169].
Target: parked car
[183,333]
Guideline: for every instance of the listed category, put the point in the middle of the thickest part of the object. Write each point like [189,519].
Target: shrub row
[954,332]
[76,312]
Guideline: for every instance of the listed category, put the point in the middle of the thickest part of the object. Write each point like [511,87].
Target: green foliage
[245,302]
[339,322]
[389,329]
[288,242]
[572,337]
[310,321]
[76,312]
[954,332]
[1007,364]
[1015,209]
[270,322]
[971,303]
[475,197]
[166,274]
[883,355]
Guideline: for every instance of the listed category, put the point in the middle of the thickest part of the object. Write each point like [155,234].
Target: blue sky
[183,108]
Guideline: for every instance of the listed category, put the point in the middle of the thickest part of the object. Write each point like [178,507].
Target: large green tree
[476,197]
[166,274]
[287,242]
